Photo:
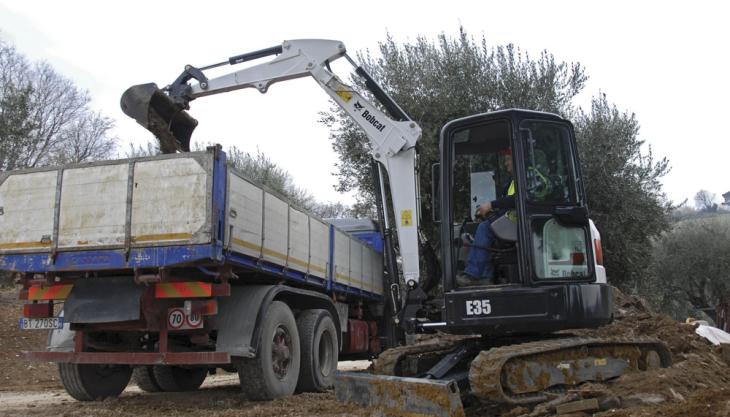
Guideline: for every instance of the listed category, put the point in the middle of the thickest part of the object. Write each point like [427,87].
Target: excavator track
[527,372]
[388,362]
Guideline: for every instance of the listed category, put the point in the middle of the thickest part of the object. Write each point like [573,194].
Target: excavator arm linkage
[392,136]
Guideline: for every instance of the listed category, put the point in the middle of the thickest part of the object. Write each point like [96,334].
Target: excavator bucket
[400,396]
[156,112]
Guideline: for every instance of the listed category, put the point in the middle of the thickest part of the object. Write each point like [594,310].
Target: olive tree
[439,80]
[690,268]
[623,185]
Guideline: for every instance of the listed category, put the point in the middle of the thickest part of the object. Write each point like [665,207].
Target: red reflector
[38,310]
[204,307]
[599,251]
[578,258]
[189,289]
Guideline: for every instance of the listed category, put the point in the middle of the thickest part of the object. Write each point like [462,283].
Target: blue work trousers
[479,263]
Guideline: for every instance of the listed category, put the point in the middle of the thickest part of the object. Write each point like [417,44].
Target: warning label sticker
[406,217]
[344,92]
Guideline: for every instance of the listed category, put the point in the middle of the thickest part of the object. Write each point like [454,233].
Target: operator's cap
[505,152]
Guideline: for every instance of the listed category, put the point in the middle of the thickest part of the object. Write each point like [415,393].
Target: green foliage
[623,188]
[690,267]
[148,149]
[435,82]
[16,124]
[261,169]
[438,81]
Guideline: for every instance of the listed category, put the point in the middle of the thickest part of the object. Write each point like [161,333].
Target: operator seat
[504,250]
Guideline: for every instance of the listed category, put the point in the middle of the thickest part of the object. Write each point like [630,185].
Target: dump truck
[516,259]
[172,266]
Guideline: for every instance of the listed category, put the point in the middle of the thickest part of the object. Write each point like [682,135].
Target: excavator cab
[542,276]
[537,271]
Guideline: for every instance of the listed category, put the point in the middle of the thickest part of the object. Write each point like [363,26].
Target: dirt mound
[15,372]
[634,318]
[697,383]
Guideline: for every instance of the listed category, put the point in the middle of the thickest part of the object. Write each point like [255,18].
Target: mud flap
[104,300]
[400,396]
[156,112]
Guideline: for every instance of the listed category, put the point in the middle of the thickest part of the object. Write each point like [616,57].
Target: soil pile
[697,384]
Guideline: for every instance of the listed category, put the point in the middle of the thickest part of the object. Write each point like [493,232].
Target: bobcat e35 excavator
[495,341]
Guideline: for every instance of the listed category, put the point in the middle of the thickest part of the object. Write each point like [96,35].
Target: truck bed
[175,210]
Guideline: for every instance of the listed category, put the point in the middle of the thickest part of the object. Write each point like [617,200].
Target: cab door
[554,217]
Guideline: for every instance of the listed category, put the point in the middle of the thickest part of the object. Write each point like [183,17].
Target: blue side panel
[111,259]
[186,255]
[372,239]
[355,291]
[262,266]
[220,181]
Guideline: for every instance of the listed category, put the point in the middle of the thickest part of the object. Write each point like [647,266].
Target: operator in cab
[479,268]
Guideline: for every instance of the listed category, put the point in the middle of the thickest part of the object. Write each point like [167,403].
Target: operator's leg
[479,263]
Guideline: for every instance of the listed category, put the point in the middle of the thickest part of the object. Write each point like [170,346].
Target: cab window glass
[548,163]
[560,251]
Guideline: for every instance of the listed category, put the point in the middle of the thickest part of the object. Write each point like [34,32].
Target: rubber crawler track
[485,373]
[387,362]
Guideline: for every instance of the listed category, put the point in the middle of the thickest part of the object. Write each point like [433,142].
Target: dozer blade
[400,396]
[156,112]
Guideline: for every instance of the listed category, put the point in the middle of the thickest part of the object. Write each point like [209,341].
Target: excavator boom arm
[392,142]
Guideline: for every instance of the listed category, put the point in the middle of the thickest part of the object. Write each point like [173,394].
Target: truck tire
[86,382]
[320,351]
[144,378]
[274,372]
[178,379]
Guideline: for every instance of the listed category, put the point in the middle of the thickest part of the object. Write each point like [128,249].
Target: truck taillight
[187,289]
[38,310]
[204,307]
[599,251]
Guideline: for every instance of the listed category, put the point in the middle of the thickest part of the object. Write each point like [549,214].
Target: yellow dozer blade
[400,396]
[156,112]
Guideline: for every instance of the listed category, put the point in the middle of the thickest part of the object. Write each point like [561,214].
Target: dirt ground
[698,384]
[18,374]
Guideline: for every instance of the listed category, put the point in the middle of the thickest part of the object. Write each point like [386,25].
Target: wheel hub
[281,352]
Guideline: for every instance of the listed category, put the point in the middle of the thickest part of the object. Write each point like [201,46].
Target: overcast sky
[666,61]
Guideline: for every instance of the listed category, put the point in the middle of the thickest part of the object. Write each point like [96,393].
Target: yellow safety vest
[511,214]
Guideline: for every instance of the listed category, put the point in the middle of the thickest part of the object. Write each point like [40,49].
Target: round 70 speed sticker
[178,320]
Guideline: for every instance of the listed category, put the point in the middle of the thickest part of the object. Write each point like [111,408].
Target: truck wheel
[144,377]
[274,372]
[178,379]
[86,382]
[319,351]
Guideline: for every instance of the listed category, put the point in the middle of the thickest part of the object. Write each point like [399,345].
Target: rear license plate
[48,323]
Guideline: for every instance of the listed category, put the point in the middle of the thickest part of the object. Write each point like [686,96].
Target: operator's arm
[505,203]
